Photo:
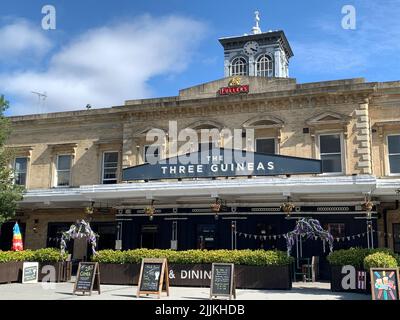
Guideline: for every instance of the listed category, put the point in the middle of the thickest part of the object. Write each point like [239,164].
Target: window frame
[342,152]
[70,170]
[233,64]
[267,138]
[258,63]
[26,171]
[103,168]
[388,154]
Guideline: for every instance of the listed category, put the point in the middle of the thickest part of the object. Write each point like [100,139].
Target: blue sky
[105,52]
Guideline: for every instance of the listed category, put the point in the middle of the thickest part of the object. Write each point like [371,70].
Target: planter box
[10,272]
[337,277]
[63,273]
[199,275]
[119,274]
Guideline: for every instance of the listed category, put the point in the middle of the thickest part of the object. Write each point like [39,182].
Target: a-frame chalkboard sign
[87,278]
[153,277]
[223,280]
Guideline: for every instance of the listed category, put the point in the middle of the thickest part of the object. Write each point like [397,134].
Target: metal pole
[371,227]
[232,235]
[297,251]
[301,247]
[235,235]
[368,236]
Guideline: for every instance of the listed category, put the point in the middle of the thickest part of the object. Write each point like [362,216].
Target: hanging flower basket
[216,207]
[287,207]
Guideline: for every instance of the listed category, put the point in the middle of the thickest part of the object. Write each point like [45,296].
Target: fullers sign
[234,87]
[222,163]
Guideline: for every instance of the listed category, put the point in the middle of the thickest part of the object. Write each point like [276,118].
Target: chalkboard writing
[385,284]
[153,275]
[222,280]
[30,272]
[84,277]
[87,277]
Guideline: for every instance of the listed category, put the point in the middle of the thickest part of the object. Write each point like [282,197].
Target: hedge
[41,255]
[380,260]
[240,257]
[355,256]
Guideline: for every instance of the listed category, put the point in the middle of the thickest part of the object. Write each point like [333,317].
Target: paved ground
[63,291]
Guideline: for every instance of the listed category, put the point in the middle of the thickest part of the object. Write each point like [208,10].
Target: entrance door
[148,236]
[396,237]
[206,236]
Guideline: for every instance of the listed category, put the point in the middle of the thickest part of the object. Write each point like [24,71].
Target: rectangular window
[337,230]
[266,146]
[20,171]
[394,153]
[151,152]
[330,148]
[63,170]
[110,167]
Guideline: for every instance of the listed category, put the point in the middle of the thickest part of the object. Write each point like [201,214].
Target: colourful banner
[17,244]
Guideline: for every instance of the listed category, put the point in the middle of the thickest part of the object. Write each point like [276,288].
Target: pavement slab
[63,291]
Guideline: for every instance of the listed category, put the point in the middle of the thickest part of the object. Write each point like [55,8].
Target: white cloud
[105,66]
[22,38]
[352,51]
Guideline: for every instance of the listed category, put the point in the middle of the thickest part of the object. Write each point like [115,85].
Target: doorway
[206,236]
[148,236]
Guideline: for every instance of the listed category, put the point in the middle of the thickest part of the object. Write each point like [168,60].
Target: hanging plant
[216,207]
[79,230]
[150,211]
[287,207]
[89,210]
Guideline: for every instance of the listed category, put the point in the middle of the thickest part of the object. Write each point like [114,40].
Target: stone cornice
[305,95]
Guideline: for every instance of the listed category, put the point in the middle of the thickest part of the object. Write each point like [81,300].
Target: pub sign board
[385,284]
[87,278]
[153,276]
[223,280]
[220,162]
[30,272]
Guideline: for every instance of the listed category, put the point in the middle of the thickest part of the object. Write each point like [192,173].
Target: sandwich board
[153,277]
[223,280]
[87,278]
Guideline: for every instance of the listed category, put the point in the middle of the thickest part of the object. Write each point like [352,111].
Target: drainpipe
[385,228]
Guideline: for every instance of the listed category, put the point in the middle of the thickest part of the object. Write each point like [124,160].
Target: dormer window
[239,67]
[264,66]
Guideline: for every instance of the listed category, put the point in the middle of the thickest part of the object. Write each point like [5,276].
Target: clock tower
[259,54]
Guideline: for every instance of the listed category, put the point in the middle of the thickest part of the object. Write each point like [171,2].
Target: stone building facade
[69,161]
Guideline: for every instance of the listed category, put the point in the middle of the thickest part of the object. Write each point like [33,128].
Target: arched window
[238,67]
[265,66]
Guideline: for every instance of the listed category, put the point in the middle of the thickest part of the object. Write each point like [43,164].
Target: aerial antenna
[41,99]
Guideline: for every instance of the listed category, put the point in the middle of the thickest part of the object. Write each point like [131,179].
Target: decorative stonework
[364,163]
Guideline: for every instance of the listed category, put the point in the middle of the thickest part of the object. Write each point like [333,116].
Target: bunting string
[337,239]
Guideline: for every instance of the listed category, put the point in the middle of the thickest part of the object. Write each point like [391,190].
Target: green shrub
[379,260]
[240,257]
[41,255]
[355,256]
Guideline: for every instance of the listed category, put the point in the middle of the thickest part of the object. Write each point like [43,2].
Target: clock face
[251,48]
